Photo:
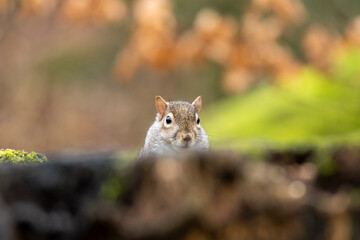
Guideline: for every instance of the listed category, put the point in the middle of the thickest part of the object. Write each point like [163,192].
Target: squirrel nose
[186,137]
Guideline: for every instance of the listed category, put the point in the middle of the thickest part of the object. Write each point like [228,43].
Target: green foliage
[312,107]
[20,157]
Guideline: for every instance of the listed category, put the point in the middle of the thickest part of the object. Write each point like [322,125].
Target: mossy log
[219,195]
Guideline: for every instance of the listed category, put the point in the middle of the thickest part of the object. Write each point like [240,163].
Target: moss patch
[20,157]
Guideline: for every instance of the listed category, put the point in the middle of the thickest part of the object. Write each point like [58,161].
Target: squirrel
[176,128]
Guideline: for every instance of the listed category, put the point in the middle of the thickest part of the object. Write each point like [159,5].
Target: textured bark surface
[220,195]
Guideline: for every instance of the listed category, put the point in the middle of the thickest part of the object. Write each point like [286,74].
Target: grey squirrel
[176,128]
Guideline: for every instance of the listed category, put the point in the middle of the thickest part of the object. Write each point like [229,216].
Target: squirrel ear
[197,103]
[161,105]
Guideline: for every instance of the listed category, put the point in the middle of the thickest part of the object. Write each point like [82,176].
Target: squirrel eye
[168,120]
[198,120]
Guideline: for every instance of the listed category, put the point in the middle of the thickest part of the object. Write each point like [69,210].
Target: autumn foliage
[247,49]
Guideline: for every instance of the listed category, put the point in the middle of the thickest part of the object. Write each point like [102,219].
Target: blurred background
[84,73]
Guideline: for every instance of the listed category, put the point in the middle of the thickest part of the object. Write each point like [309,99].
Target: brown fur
[184,114]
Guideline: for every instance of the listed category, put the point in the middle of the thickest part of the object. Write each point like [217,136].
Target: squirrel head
[180,122]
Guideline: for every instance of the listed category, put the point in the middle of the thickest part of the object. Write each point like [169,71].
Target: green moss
[115,184]
[20,157]
[112,188]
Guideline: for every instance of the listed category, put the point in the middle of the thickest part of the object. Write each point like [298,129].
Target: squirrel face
[180,123]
